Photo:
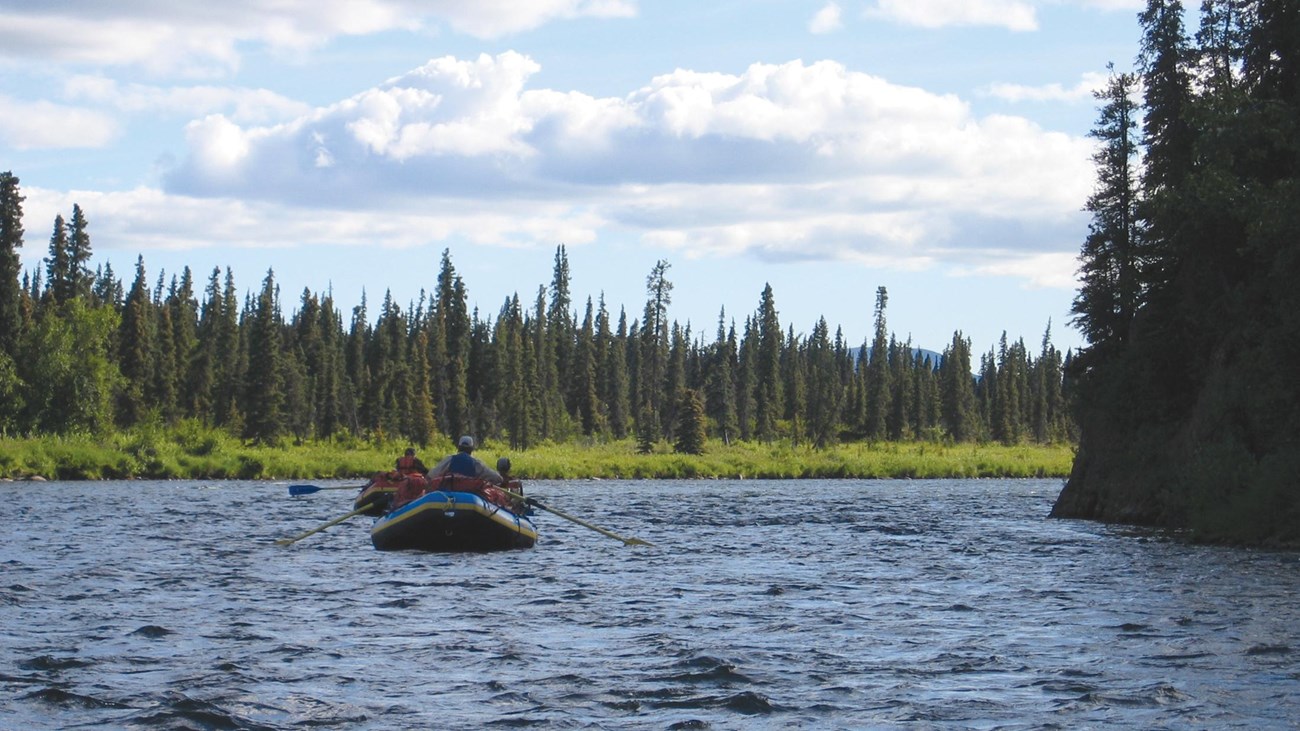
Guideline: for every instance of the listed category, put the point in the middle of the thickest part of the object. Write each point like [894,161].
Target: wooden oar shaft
[321,527]
[579,521]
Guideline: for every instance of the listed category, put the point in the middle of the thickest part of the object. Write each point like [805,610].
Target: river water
[762,605]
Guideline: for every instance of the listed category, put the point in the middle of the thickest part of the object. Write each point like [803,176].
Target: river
[761,605]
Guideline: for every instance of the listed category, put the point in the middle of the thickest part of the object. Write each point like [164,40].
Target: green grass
[193,452]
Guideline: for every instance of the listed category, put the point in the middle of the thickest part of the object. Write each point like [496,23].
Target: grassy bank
[191,452]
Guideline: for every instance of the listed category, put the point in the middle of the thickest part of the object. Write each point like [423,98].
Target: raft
[376,496]
[454,513]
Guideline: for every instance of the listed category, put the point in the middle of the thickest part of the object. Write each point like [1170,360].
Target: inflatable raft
[453,513]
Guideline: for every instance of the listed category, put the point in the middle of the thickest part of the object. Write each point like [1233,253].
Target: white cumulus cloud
[783,161]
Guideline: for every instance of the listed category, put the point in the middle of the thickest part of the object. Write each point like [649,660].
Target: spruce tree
[184,309]
[11,240]
[59,283]
[768,397]
[825,391]
[229,365]
[690,430]
[653,353]
[721,385]
[79,253]
[618,388]
[265,418]
[746,379]
[583,374]
[452,328]
[136,350]
[957,391]
[794,384]
[423,425]
[561,334]
[878,387]
[167,373]
[1108,295]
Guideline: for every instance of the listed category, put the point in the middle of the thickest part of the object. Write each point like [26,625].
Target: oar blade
[303,489]
[636,542]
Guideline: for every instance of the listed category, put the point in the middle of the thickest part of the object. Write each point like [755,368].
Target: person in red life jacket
[464,463]
[409,464]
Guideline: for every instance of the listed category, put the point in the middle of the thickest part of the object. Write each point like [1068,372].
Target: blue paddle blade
[303,489]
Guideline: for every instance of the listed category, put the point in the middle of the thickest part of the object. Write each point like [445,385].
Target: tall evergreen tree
[583,373]
[653,355]
[1108,296]
[423,425]
[452,326]
[265,418]
[167,373]
[617,386]
[561,334]
[107,290]
[721,383]
[58,266]
[79,253]
[136,350]
[690,432]
[11,240]
[957,390]
[184,310]
[825,391]
[768,396]
[550,403]
[878,388]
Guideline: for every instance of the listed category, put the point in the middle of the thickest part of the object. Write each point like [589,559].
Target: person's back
[464,463]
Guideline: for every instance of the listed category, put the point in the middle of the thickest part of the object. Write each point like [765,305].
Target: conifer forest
[84,351]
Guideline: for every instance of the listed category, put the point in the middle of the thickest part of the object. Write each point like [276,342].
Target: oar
[309,489]
[579,521]
[321,527]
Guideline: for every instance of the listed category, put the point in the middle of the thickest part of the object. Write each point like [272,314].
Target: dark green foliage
[1108,295]
[878,393]
[617,393]
[11,240]
[137,351]
[1190,420]
[690,434]
[767,368]
[264,409]
[583,375]
[720,382]
[958,409]
[652,356]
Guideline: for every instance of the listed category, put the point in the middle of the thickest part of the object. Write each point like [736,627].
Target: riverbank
[196,453]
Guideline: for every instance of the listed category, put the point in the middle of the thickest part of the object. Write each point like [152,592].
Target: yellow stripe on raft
[488,510]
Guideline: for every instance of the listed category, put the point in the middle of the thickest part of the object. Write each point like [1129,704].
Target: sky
[937,148]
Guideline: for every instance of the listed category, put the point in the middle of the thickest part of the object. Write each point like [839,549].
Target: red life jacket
[406,464]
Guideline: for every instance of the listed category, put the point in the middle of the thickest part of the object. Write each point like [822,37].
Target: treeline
[81,352]
[1190,301]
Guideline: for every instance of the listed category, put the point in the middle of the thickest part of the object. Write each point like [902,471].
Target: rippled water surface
[817,604]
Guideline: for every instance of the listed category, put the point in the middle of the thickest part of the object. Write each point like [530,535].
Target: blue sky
[937,148]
